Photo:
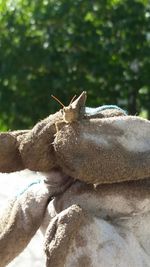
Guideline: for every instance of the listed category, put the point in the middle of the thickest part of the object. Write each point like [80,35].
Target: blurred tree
[62,47]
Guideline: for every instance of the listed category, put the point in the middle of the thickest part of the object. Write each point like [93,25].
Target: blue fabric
[93,111]
[38,181]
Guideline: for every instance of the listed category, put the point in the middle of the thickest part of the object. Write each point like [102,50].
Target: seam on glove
[38,181]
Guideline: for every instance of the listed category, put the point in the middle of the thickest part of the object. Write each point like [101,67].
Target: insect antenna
[54,97]
[72,99]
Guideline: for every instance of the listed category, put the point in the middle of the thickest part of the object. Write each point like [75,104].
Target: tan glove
[24,215]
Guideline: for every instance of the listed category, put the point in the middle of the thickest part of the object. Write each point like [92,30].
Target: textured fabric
[105,150]
[84,224]
[10,185]
[95,111]
[105,226]
[24,214]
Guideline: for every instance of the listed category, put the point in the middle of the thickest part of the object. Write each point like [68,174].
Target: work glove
[22,218]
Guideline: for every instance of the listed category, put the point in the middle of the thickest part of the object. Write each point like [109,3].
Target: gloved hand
[24,215]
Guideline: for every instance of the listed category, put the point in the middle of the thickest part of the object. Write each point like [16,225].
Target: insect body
[75,110]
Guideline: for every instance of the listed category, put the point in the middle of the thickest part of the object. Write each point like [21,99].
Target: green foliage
[62,47]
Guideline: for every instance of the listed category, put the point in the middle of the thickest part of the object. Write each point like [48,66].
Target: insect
[75,110]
